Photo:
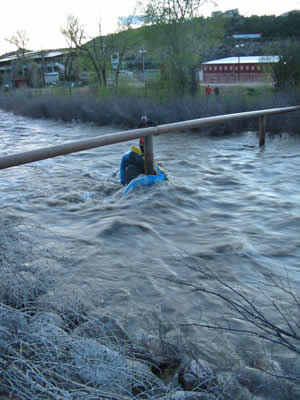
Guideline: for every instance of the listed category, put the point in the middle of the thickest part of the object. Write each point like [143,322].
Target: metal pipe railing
[262,130]
[148,155]
[73,147]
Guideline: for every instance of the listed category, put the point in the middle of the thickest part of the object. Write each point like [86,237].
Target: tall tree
[177,31]
[171,11]
[125,40]
[99,50]
[20,41]
[95,50]
[287,70]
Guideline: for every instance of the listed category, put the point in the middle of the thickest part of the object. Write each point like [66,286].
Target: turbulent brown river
[231,207]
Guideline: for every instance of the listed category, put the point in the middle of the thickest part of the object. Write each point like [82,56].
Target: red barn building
[239,69]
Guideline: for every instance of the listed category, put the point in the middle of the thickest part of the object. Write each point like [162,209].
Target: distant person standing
[216,91]
[208,90]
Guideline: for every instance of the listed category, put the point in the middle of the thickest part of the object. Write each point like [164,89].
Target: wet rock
[100,366]
[196,375]
[181,395]
[6,337]
[144,380]
[7,397]
[47,318]
[294,391]
[227,386]
[15,321]
[262,384]
[104,329]
[46,342]
[164,357]
[46,332]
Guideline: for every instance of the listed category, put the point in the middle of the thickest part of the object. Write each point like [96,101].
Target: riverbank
[124,110]
[53,347]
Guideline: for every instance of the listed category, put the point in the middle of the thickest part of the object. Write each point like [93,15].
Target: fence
[73,147]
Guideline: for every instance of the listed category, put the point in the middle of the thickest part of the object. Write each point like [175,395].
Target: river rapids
[230,206]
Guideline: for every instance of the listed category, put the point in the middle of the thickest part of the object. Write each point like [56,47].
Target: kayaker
[132,163]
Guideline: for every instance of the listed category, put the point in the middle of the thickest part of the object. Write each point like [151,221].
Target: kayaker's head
[142,142]
[144,119]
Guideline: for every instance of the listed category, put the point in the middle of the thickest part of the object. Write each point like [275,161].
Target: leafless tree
[20,40]
[283,331]
[96,49]
[124,40]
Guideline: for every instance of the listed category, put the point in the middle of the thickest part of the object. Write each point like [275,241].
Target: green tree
[178,34]
[287,70]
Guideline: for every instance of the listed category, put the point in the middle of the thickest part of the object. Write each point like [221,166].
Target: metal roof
[51,54]
[245,60]
[35,54]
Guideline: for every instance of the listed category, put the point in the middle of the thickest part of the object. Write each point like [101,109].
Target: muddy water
[231,207]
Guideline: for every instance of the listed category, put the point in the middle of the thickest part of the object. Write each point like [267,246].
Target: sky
[42,20]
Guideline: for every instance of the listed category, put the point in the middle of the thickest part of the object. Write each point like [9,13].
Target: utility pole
[239,57]
[142,52]
[246,36]
[43,69]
